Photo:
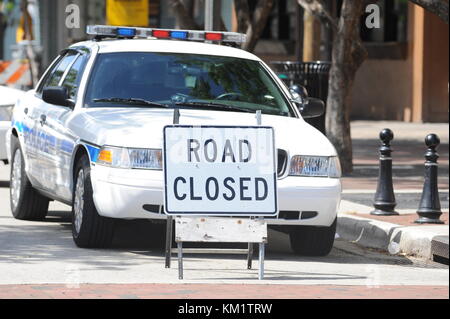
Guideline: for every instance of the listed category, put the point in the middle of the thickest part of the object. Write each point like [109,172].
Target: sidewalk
[395,234]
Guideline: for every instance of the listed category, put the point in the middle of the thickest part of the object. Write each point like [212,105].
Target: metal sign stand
[168,251]
[230,230]
[261,245]
[259,225]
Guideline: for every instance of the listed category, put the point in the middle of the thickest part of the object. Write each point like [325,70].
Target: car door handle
[43,119]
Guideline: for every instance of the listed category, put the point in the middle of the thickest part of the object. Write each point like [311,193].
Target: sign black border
[219,213]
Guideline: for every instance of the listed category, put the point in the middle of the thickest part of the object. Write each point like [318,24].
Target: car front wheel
[313,240]
[89,229]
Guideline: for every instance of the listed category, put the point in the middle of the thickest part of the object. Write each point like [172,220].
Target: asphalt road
[43,253]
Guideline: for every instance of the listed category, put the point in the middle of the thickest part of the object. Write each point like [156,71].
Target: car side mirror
[58,95]
[312,107]
[298,92]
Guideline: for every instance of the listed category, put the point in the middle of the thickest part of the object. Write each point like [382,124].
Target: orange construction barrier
[15,73]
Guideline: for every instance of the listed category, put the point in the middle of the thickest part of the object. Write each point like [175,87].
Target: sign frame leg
[168,240]
[250,256]
[261,261]
[180,260]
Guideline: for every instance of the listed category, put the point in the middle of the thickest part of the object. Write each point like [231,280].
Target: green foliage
[7,6]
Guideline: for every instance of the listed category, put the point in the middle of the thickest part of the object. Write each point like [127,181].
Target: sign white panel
[220,170]
[216,229]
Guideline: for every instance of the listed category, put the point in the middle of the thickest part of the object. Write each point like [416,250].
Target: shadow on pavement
[277,275]
[51,239]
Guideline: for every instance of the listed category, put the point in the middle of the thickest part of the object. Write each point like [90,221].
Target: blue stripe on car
[93,152]
[19,126]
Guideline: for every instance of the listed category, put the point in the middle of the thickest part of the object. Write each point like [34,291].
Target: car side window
[73,77]
[56,75]
[47,75]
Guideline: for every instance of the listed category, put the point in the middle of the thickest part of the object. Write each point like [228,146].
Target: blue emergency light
[126,32]
[179,35]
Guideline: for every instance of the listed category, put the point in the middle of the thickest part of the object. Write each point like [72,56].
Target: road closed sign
[220,171]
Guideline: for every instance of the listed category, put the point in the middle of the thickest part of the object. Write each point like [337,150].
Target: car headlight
[6,112]
[320,166]
[141,158]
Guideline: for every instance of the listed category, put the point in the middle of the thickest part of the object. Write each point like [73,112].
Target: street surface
[40,260]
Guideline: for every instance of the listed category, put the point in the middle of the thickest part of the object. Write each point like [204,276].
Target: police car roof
[170,46]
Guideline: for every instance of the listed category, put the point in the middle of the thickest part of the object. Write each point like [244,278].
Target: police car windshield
[190,80]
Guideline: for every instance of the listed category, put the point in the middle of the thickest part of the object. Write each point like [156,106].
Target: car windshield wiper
[215,106]
[133,101]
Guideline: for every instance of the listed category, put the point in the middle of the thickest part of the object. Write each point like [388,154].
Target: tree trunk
[252,24]
[184,18]
[258,24]
[347,55]
[326,33]
[242,15]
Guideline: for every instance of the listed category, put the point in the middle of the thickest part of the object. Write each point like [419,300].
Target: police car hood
[143,128]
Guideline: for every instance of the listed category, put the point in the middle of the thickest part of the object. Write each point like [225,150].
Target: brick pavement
[220,291]
[404,219]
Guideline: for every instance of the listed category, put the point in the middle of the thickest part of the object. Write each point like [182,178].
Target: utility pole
[209,15]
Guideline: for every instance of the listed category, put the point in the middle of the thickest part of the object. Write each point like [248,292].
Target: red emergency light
[161,34]
[210,36]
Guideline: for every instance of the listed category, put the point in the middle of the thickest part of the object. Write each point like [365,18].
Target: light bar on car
[193,35]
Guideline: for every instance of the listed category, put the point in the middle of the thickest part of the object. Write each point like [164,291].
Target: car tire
[26,202]
[313,241]
[89,229]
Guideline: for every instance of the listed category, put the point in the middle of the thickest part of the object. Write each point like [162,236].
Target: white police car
[90,134]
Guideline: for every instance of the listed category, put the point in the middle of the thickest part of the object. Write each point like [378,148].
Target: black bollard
[384,201]
[430,206]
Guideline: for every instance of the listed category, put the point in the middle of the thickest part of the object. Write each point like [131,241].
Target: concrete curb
[393,238]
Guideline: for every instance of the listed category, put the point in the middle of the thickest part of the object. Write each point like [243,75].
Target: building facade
[405,77]
[411,85]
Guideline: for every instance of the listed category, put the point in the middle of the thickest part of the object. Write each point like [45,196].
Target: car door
[29,125]
[44,144]
[57,130]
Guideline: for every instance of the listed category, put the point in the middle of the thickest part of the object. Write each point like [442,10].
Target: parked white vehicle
[8,97]
[90,134]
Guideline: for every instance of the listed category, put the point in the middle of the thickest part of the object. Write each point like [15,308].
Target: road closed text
[215,169]
[229,189]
